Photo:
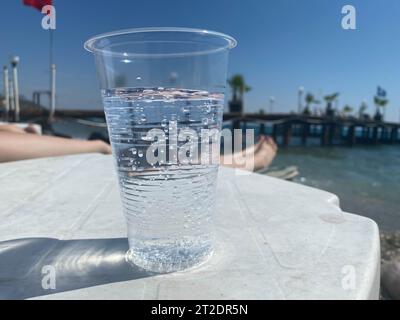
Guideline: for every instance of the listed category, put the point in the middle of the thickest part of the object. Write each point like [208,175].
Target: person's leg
[11,128]
[15,129]
[16,146]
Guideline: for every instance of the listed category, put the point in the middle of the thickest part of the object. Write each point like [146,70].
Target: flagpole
[51,45]
[52,73]
[39,4]
[6,92]
[12,100]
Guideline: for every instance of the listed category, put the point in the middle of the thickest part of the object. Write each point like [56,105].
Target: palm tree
[239,87]
[329,99]
[347,109]
[310,99]
[379,103]
[362,109]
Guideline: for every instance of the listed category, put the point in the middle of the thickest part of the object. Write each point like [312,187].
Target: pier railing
[283,127]
[329,130]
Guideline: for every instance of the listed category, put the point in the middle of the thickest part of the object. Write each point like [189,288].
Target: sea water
[168,204]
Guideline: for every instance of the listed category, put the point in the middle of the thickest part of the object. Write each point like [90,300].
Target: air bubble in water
[185,109]
[205,121]
[147,138]
[164,123]
[140,154]
[134,151]
[207,107]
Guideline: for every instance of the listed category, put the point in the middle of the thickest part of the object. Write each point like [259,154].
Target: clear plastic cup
[163,96]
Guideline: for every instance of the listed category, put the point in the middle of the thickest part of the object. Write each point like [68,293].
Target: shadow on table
[27,265]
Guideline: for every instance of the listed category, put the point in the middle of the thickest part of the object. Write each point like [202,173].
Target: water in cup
[169,204]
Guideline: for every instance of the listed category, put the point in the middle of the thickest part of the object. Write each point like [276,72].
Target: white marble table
[275,239]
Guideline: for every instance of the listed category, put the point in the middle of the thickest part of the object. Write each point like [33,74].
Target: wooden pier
[286,128]
[329,131]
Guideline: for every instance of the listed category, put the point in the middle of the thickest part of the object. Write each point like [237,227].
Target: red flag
[38,4]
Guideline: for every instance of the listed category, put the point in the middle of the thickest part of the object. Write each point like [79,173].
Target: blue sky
[282,44]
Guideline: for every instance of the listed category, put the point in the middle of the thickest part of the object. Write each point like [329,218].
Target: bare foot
[272,143]
[255,147]
[31,129]
[254,158]
[267,153]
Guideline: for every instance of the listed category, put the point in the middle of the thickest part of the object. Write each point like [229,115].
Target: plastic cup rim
[90,45]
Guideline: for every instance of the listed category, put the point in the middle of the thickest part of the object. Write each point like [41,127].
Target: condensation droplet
[185,109]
